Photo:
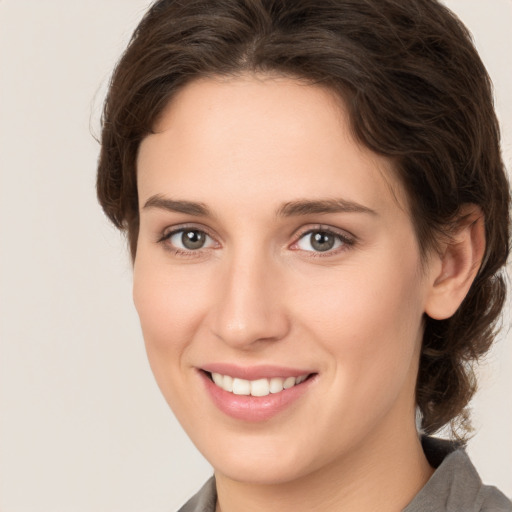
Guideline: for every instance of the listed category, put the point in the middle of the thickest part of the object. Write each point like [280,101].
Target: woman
[318,215]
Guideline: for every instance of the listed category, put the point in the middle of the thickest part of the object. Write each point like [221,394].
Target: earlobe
[455,268]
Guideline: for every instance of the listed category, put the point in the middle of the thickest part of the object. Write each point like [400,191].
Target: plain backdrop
[83,427]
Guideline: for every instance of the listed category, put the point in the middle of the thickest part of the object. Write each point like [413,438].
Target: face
[276,257]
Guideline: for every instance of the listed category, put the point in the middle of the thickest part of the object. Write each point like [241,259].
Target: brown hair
[416,91]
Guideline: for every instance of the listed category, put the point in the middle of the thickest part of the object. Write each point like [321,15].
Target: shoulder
[493,500]
[455,485]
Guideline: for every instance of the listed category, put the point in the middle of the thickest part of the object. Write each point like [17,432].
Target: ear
[453,270]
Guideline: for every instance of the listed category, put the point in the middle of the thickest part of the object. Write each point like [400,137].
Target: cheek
[369,320]
[362,304]
[170,305]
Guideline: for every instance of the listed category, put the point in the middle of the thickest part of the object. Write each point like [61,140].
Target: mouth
[256,393]
[258,387]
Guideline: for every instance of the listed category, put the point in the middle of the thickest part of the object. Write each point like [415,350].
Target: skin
[257,293]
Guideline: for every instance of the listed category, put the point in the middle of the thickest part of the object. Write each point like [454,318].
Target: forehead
[239,135]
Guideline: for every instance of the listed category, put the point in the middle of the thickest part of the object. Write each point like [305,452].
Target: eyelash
[346,241]
[187,253]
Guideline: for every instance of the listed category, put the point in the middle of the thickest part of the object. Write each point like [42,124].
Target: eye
[188,239]
[321,240]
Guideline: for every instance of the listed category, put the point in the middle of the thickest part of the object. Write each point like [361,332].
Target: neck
[384,474]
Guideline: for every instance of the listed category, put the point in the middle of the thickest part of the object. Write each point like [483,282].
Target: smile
[255,394]
[258,387]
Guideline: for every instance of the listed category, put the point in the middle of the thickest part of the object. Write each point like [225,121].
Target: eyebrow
[308,207]
[178,206]
[299,207]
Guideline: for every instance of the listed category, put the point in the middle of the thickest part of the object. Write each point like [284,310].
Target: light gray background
[82,424]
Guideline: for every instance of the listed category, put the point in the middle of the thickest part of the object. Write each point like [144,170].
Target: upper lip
[263,371]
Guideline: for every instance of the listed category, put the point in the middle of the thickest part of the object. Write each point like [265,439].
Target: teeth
[241,387]
[276,385]
[228,383]
[289,382]
[260,387]
[300,379]
[218,379]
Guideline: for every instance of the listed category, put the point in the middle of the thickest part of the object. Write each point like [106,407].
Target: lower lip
[254,408]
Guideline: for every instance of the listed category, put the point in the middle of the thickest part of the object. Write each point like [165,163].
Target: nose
[250,306]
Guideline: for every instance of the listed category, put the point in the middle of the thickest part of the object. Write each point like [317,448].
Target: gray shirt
[454,487]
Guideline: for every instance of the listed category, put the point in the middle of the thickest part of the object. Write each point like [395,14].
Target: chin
[260,464]
[269,472]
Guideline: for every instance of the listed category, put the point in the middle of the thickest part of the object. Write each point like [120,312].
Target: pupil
[322,241]
[192,239]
